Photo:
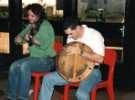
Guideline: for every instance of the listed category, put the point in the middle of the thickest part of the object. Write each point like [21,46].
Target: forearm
[93,57]
[26,30]
[19,39]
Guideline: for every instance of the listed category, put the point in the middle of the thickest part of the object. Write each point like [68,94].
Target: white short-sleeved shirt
[91,38]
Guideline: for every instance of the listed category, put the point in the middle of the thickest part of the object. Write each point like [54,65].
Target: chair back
[57,46]
[110,59]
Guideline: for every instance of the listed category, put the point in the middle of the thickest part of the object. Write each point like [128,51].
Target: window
[4,42]
[109,10]
[51,7]
[3,8]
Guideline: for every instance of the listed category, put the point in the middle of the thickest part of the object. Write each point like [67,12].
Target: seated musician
[39,34]
[93,39]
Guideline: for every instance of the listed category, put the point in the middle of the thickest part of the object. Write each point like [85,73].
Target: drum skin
[74,67]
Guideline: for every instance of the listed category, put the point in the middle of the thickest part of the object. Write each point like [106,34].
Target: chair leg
[93,94]
[36,88]
[66,92]
[111,94]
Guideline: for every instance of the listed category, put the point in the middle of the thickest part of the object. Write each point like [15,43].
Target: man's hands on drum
[73,50]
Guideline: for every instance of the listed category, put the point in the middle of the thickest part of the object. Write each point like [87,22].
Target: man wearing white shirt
[93,39]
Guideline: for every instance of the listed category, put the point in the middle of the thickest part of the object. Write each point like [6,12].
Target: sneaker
[30,92]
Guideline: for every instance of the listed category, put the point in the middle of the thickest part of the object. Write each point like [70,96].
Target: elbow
[100,59]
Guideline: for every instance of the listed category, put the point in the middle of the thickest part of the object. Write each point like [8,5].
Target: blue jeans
[83,92]
[20,75]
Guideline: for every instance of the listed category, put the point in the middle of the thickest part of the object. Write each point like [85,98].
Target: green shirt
[45,36]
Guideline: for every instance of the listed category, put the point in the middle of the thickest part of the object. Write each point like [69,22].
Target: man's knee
[47,79]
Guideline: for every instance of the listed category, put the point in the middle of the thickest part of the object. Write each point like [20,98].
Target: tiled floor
[120,95]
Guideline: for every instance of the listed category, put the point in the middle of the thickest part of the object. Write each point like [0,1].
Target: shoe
[31,92]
